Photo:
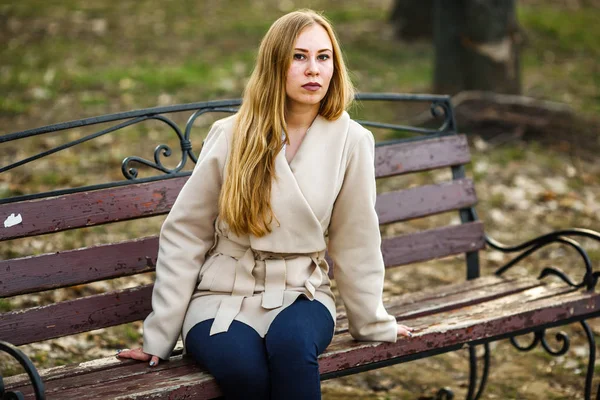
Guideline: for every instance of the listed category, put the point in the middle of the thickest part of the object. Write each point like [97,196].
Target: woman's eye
[323,57]
[299,56]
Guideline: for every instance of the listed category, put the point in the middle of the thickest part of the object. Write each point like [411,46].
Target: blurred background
[525,81]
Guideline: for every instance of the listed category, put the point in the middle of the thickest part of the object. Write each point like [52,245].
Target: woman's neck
[300,118]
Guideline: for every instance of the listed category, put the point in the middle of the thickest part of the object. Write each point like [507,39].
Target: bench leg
[36,380]
[540,337]
[471,394]
[474,392]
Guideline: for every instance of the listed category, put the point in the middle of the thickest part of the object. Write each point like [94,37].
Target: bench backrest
[105,205]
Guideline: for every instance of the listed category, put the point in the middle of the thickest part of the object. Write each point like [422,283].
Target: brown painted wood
[155,198]
[75,316]
[61,269]
[432,244]
[425,200]
[422,155]
[179,378]
[90,208]
[74,267]
[406,309]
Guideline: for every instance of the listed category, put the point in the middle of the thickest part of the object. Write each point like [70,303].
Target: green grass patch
[566,30]
[5,305]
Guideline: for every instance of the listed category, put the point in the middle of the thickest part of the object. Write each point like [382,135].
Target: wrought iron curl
[160,150]
[589,280]
[34,376]
[540,337]
[534,342]
[442,109]
[164,150]
[444,394]
[560,337]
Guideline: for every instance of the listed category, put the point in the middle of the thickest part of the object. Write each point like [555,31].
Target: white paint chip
[13,220]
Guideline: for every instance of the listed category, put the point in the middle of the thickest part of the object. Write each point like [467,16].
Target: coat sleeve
[355,248]
[186,235]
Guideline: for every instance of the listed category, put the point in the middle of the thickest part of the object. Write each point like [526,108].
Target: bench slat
[74,267]
[426,200]
[408,310]
[76,316]
[90,208]
[422,155]
[114,308]
[444,331]
[433,243]
[155,198]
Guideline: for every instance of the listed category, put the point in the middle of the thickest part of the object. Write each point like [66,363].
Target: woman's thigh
[236,358]
[305,326]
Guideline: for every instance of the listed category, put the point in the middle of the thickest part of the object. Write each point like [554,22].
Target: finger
[139,355]
[408,328]
[154,361]
[123,353]
[404,332]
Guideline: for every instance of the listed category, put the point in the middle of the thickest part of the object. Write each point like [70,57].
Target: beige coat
[324,198]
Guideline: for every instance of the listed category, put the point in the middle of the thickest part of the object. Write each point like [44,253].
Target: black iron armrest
[38,385]
[563,236]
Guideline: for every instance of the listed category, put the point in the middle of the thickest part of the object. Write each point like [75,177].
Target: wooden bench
[465,314]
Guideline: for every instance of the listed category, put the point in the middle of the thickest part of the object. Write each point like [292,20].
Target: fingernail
[152,363]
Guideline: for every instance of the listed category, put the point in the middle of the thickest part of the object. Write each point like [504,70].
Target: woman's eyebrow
[306,51]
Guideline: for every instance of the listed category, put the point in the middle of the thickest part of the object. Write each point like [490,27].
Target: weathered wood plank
[433,243]
[538,306]
[61,269]
[74,267]
[75,316]
[407,310]
[422,155]
[90,208]
[155,198]
[425,200]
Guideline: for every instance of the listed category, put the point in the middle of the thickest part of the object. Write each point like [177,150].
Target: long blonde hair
[245,200]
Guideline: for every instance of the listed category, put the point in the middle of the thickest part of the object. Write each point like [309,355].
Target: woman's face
[311,69]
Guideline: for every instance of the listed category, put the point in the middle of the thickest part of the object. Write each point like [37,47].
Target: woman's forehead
[313,38]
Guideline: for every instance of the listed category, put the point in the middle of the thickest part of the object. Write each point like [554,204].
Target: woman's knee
[237,359]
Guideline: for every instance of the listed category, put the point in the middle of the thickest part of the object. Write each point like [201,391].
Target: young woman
[241,273]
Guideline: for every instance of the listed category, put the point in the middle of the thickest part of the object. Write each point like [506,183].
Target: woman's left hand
[405,330]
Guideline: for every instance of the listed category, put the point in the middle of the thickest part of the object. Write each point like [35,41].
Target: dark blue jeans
[282,365]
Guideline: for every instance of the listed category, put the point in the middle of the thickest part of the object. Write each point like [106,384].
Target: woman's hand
[405,330]
[138,354]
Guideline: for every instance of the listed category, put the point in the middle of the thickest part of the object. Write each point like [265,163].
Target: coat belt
[244,283]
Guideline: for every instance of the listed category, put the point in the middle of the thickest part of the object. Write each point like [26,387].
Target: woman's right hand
[138,354]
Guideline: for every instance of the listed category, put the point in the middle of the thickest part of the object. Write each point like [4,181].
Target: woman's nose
[311,68]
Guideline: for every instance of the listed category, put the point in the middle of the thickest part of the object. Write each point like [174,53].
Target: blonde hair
[245,200]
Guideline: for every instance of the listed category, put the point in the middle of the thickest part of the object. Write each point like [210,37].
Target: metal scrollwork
[562,337]
[443,109]
[160,150]
[163,150]
[36,380]
[540,337]
[444,394]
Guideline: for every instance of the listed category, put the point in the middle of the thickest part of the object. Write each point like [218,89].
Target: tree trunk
[413,19]
[476,46]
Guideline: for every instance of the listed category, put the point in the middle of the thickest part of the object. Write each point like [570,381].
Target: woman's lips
[312,86]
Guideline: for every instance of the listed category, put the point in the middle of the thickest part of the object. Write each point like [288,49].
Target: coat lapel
[304,192]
